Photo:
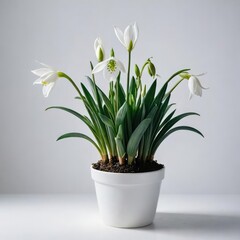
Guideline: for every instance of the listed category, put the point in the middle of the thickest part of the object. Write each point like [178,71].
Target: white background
[202,35]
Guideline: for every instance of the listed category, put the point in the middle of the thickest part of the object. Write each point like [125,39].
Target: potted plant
[128,125]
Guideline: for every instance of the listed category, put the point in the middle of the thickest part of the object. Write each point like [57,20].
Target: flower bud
[137,71]
[151,69]
[130,46]
[100,55]
[99,51]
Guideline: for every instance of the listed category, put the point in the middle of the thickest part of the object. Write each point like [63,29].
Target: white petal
[115,74]
[128,35]
[200,74]
[119,35]
[52,77]
[135,31]
[38,81]
[199,83]
[47,88]
[97,43]
[45,65]
[198,91]
[100,42]
[100,66]
[97,51]
[120,65]
[194,87]
[110,76]
[191,85]
[41,71]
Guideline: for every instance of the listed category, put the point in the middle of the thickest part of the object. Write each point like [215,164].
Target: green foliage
[128,124]
[79,135]
[135,139]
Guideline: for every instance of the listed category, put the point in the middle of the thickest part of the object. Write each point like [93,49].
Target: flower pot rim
[131,173]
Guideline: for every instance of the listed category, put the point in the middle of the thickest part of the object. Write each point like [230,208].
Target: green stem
[63,75]
[145,64]
[128,74]
[178,82]
[117,93]
[111,93]
[141,72]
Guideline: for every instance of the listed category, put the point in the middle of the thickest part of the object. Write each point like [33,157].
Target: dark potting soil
[114,166]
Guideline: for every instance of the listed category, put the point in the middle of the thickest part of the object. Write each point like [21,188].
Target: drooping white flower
[110,67]
[195,86]
[129,37]
[99,50]
[47,78]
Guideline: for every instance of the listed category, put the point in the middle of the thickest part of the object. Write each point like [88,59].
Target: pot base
[128,227]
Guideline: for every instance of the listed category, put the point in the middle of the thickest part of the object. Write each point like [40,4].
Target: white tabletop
[75,217]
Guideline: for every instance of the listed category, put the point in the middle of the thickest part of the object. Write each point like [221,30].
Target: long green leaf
[79,135]
[133,88]
[85,119]
[152,113]
[135,139]
[93,125]
[95,92]
[136,123]
[147,138]
[120,133]
[169,106]
[100,135]
[106,112]
[107,121]
[92,104]
[175,120]
[148,99]
[121,114]
[111,136]
[158,99]
[121,94]
[129,121]
[93,111]
[159,115]
[167,127]
[121,149]
[107,103]
[139,115]
[167,119]
[174,130]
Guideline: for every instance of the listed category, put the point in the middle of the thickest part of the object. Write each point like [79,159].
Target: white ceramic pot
[127,200]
